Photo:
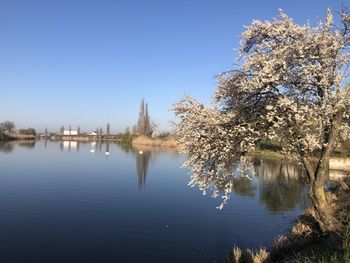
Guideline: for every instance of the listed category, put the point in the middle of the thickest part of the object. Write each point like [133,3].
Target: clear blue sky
[90,62]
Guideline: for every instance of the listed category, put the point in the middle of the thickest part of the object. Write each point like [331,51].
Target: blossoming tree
[290,87]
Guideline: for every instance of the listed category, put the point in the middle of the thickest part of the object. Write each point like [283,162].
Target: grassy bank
[165,142]
[15,136]
[267,154]
[305,243]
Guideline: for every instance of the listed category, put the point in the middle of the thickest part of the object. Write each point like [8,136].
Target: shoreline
[304,242]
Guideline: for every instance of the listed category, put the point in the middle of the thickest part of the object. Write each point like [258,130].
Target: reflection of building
[69,144]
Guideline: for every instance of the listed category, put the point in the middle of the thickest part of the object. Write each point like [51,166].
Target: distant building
[69,133]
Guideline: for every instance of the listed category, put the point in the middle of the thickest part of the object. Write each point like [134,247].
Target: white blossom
[289,87]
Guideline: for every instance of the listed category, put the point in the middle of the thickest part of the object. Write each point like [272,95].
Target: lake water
[70,202]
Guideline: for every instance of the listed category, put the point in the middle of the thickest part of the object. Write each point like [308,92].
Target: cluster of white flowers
[289,88]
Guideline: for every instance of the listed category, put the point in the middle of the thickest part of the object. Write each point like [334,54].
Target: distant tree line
[7,126]
[29,131]
[126,137]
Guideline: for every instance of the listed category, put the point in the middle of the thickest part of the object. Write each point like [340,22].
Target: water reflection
[244,187]
[26,144]
[143,155]
[282,185]
[107,149]
[99,143]
[142,162]
[6,147]
[67,145]
[338,175]
[91,203]
[93,147]
[278,185]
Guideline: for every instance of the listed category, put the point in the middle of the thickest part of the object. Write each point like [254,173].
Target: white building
[69,133]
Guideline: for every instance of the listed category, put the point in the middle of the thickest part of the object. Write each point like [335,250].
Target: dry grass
[143,140]
[18,136]
[302,230]
[248,256]
[155,149]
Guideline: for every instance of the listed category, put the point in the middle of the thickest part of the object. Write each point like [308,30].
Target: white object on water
[92,150]
[106,153]
[140,152]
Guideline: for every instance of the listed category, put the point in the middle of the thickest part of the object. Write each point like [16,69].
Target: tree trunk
[323,209]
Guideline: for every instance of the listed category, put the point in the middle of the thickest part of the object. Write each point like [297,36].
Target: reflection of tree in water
[27,144]
[243,187]
[126,147]
[142,162]
[6,147]
[236,177]
[143,154]
[107,150]
[99,146]
[281,185]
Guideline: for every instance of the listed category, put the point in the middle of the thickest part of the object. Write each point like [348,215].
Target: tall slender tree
[147,120]
[144,126]
[134,129]
[108,129]
[140,122]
